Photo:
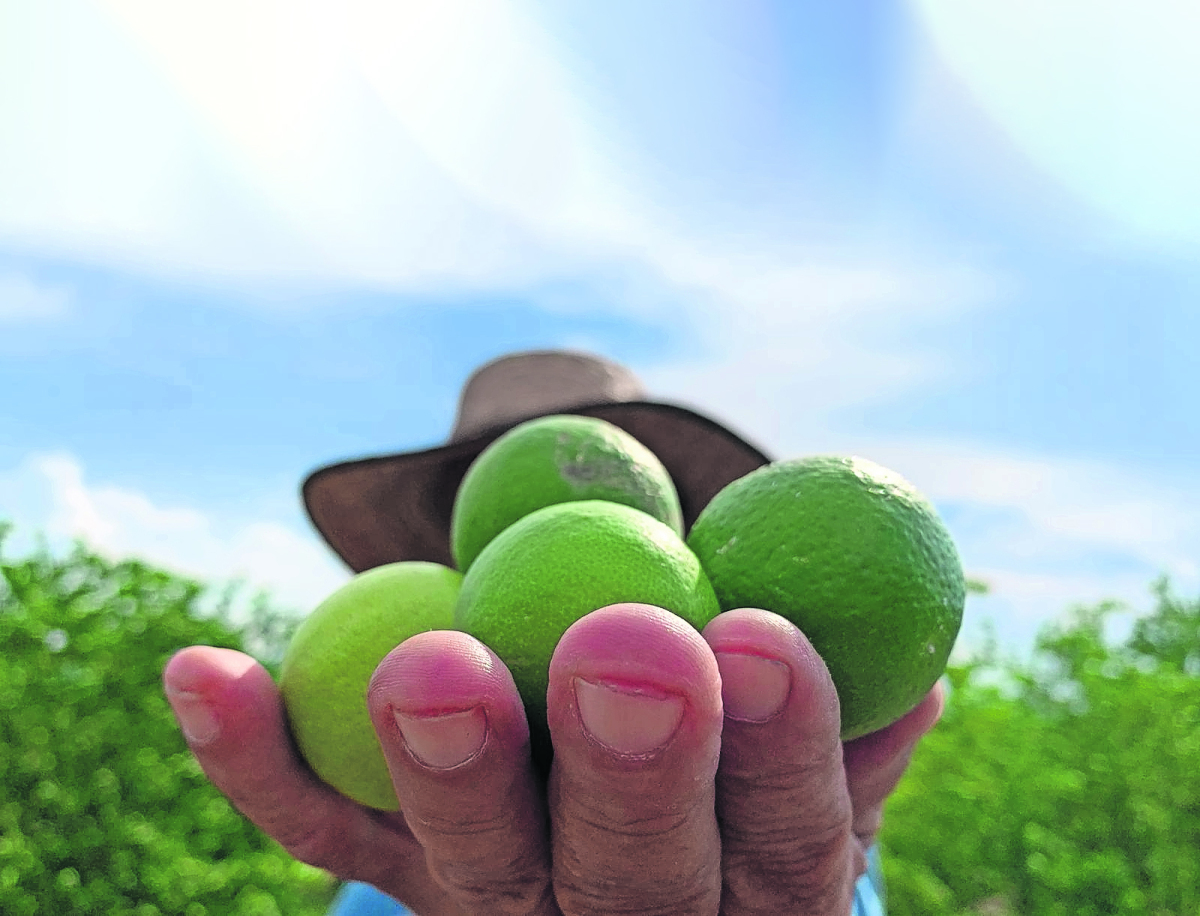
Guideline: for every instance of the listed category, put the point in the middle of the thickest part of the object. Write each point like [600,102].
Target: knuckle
[627,826]
[323,846]
[646,862]
[805,870]
[491,892]
[457,824]
[787,839]
[619,899]
[309,838]
[476,860]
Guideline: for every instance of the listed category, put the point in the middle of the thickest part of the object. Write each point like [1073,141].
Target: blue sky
[240,240]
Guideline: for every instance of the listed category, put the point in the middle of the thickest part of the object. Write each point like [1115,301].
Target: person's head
[396,507]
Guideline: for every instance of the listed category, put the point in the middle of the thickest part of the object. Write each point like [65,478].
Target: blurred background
[958,237]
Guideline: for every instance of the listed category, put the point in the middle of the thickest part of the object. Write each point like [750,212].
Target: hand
[692,774]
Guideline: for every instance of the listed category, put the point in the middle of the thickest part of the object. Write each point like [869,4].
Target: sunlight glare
[1105,96]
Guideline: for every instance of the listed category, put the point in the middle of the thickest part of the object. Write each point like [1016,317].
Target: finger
[453,730]
[232,717]
[876,762]
[781,790]
[635,716]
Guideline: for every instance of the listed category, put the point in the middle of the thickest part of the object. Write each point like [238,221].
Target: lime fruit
[853,555]
[554,566]
[550,460]
[330,660]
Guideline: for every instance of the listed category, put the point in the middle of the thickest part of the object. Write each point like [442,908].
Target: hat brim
[385,509]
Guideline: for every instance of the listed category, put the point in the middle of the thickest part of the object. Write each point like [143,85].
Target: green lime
[331,658]
[853,555]
[558,564]
[556,459]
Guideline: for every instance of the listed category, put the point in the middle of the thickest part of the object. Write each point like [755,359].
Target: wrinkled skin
[708,777]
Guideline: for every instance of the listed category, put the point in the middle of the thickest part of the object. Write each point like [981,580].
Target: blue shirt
[363,900]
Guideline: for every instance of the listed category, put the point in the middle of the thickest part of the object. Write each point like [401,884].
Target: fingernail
[444,742]
[196,719]
[753,688]
[627,720]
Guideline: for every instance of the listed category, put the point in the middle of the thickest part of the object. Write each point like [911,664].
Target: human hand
[657,802]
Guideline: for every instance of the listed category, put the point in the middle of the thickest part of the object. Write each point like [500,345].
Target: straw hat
[384,509]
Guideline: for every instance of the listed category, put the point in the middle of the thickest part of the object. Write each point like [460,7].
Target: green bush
[102,807]
[1066,785]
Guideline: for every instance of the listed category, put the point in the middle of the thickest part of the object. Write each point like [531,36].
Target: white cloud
[790,336]
[50,493]
[415,146]
[1102,98]
[404,144]
[1065,506]
[23,299]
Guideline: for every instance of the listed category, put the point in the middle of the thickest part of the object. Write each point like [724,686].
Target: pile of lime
[563,515]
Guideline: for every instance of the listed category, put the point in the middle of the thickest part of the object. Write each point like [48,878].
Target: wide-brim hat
[388,508]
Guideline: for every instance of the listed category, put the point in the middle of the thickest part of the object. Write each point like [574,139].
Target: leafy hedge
[102,807]
[1069,785]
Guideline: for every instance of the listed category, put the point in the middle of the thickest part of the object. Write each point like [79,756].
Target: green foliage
[1067,785]
[102,807]
[1172,634]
